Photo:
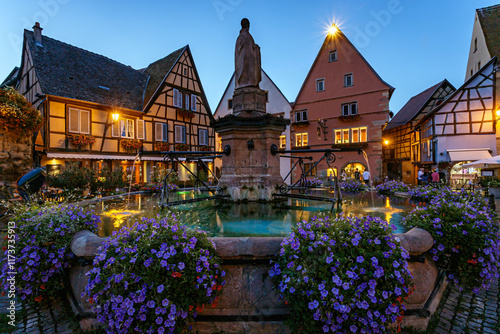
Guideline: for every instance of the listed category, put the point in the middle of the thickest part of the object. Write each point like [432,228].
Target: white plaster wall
[482,54]
[474,141]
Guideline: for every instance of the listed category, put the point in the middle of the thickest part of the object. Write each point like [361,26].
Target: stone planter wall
[15,157]
[248,303]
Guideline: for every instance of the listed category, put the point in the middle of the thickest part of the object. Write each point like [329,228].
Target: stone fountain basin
[248,302]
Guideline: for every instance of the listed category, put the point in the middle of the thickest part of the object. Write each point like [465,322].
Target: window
[308,166]
[283,141]
[180,134]
[345,136]
[354,135]
[332,56]
[267,95]
[301,116]
[79,121]
[161,132]
[186,101]
[475,44]
[471,72]
[320,85]
[478,65]
[428,148]
[127,128]
[349,109]
[338,137]
[301,139]
[230,104]
[348,80]
[193,102]
[141,134]
[363,134]
[177,98]
[203,137]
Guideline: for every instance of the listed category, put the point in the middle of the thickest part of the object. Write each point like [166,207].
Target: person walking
[357,175]
[435,177]
[366,177]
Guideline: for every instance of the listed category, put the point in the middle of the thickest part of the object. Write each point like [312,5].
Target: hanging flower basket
[162,146]
[205,148]
[80,140]
[350,118]
[185,113]
[16,114]
[131,143]
[182,147]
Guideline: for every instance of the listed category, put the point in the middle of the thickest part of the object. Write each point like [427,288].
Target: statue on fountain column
[246,59]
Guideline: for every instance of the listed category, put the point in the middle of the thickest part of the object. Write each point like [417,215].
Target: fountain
[249,131]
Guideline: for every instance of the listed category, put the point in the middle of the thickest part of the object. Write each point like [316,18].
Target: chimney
[38,34]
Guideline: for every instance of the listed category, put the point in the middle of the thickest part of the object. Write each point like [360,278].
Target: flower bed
[352,186]
[466,238]
[156,187]
[426,193]
[389,187]
[154,277]
[43,253]
[313,183]
[344,275]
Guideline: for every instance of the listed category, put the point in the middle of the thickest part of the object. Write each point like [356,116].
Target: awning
[470,154]
[79,156]
[493,162]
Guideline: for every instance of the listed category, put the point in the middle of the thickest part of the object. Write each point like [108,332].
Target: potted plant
[345,275]
[154,277]
[390,187]
[494,187]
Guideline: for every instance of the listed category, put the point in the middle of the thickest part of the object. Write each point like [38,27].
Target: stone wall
[16,158]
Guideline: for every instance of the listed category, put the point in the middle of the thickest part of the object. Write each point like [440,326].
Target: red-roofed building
[343,102]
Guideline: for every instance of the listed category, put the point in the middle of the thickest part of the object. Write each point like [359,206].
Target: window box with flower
[205,148]
[80,139]
[162,146]
[350,118]
[131,144]
[185,113]
[182,147]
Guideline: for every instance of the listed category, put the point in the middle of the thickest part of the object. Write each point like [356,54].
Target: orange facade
[342,103]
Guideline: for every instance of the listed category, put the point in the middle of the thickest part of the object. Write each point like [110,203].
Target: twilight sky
[412,44]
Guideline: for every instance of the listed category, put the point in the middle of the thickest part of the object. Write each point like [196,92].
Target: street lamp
[115,117]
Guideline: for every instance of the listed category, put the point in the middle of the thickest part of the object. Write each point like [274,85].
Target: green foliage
[489,181]
[202,175]
[16,114]
[342,275]
[466,238]
[168,271]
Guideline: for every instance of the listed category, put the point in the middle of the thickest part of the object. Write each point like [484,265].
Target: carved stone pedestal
[250,172]
[249,102]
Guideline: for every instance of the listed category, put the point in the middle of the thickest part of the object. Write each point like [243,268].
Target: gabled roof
[414,106]
[339,32]
[157,72]
[489,17]
[68,71]
[12,78]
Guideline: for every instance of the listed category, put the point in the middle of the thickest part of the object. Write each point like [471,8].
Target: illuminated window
[308,166]
[283,141]
[332,56]
[363,134]
[320,85]
[345,135]
[349,109]
[338,137]
[355,135]
[127,128]
[301,139]
[301,116]
[348,80]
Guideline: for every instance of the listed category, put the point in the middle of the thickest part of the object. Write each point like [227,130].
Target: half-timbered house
[343,102]
[400,138]
[100,112]
[276,104]
[462,128]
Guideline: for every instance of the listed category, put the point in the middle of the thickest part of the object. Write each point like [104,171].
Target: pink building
[342,103]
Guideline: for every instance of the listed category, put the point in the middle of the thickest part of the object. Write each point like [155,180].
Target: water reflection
[250,219]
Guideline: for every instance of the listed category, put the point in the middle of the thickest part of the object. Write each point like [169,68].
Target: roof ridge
[81,49]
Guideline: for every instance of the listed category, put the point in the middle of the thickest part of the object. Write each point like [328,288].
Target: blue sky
[411,44]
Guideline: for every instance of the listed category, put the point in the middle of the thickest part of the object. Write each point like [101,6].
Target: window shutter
[193,102]
[178,134]
[84,121]
[158,132]
[73,125]
[202,137]
[183,129]
[165,132]
[123,128]
[115,129]
[175,97]
[187,102]
[140,129]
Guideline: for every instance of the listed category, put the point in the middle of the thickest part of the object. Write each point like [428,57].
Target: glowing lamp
[115,117]
[498,112]
[386,142]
